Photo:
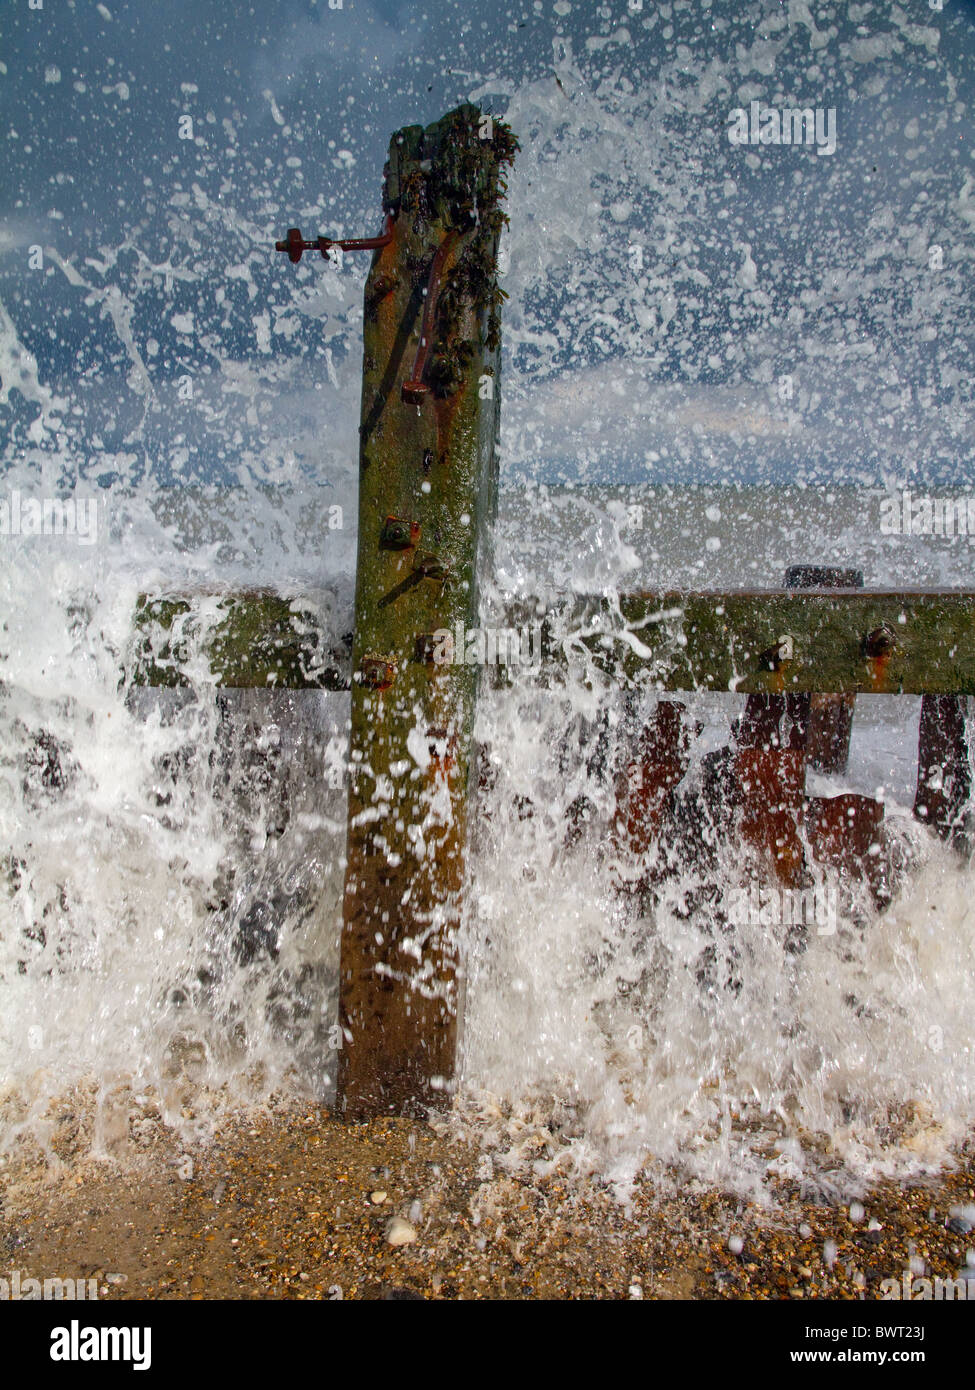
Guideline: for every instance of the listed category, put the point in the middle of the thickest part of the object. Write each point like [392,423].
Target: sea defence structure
[798,655]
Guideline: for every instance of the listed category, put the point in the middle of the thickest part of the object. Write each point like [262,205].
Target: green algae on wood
[774,641]
[687,641]
[251,639]
[426,470]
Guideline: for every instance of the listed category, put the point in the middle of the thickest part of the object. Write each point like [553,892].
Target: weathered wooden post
[645,780]
[427,484]
[769,780]
[828,718]
[771,774]
[944,778]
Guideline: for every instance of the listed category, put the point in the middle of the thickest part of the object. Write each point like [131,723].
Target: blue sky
[681,307]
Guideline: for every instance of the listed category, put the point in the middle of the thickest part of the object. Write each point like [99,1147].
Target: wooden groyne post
[427,500]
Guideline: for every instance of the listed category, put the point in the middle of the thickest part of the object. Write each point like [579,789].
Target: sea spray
[172,861]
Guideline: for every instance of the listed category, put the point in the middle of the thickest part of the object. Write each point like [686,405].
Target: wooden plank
[427,501]
[671,641]
[781,641]
[944,776]
[847,833]
[644,783]
[253,639]
[768,785]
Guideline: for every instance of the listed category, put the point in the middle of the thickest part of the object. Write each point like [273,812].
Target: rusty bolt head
[880,642]
[293,244]
[414,392]
[774,657]
[377,672]
[430,567]
[442,748]
[434,648]
[399,534]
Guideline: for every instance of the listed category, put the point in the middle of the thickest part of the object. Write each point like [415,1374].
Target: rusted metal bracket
[415,391]
[294,243]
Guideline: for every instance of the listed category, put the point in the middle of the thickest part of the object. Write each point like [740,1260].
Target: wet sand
[298,1205]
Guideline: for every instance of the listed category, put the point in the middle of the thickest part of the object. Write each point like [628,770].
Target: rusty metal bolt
[415,390]
[384,285]
[377,672]
[442,748]
[430,567]
[433,649]
[294,243]
[774,657]
[880,642]
[399,534]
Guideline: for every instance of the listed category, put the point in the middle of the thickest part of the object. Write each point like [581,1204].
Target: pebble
[961,1219]
[185,1170]
[377,1198]
[875,1232]
[400,1232]
[318,1223]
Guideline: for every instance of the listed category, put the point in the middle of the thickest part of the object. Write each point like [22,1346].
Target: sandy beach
[295,1204]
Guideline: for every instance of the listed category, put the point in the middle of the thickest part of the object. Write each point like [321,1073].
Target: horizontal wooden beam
[253,639]
[748,641]
[794,640]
